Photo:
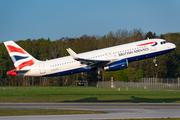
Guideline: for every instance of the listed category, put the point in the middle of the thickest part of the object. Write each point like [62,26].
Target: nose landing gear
[154,61]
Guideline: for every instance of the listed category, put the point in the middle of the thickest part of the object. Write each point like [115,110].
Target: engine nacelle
[117,65]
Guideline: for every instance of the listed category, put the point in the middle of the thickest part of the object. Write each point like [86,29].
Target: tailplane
[19,56]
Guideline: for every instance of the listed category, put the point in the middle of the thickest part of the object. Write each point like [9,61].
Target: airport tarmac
[115,110]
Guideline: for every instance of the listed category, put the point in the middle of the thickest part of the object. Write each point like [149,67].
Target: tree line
[43,49]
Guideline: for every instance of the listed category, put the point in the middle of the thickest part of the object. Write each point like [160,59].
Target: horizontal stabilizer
[15,72]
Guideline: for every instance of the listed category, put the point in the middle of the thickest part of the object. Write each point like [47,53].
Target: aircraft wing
[89,62]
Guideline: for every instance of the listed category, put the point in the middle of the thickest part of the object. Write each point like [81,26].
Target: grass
[45,112]
[86,94]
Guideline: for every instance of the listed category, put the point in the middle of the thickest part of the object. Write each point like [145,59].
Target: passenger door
[42,68]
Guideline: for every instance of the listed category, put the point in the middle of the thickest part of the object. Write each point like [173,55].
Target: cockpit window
[164,42]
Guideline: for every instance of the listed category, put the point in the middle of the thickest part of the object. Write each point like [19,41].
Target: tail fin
[19,56]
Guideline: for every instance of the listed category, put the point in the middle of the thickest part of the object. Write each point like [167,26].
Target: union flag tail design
[19,56]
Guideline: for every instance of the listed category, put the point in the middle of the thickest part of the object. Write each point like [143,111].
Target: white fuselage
[131,51]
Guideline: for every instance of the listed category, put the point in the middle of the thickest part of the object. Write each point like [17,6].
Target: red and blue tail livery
[19,56]
[109,59]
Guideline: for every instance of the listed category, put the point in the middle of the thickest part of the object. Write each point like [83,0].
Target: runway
[115,110]
[89,106]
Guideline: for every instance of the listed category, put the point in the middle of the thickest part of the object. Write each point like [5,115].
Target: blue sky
[23,19]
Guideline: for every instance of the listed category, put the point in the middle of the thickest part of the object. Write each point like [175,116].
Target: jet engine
[117,65]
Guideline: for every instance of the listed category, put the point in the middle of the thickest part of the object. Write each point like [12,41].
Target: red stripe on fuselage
[15,49]
[146,43]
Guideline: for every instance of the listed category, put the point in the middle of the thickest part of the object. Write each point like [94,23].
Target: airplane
[110,59]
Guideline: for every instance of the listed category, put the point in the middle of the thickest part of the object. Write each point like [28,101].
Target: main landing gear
[154,61]
[99,73]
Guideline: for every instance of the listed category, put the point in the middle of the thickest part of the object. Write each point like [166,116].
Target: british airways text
[135,51]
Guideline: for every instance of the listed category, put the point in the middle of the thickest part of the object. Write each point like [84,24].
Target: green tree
[150,35]
[123,75]
[139,75]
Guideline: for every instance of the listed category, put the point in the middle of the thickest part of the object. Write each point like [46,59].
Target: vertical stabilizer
[19,56]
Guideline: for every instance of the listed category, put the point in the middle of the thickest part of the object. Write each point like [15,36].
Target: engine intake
[117,65]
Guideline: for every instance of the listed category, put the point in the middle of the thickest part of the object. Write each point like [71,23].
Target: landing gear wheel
[154,61]
[99,77]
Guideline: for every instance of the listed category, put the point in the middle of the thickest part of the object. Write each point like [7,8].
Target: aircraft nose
[173,46]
